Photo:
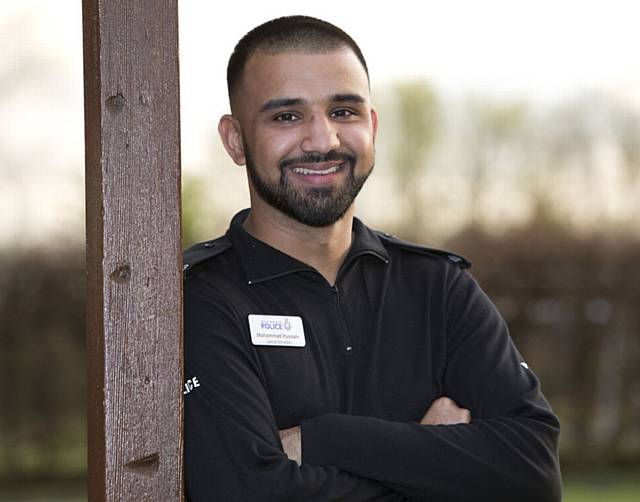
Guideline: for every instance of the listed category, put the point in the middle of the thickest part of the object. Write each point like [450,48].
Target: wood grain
[134,332]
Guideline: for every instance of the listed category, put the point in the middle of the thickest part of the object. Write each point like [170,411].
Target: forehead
[309,76]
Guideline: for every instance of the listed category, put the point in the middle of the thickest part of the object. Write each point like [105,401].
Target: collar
[261,262]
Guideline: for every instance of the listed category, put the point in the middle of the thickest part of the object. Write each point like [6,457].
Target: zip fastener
[347,338]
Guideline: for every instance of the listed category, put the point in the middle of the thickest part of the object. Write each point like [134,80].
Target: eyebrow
[274,104]
[348,98]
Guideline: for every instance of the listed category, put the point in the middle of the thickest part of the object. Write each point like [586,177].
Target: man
[326,361]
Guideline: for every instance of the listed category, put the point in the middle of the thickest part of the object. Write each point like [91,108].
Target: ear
[231,135]
[374,123]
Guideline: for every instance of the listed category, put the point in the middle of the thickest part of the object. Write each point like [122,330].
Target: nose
[321,135]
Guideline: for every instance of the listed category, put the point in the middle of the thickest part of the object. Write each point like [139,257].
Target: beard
[311,206]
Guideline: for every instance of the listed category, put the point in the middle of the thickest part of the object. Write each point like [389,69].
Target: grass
[53,490]
[599,486]
[602,486]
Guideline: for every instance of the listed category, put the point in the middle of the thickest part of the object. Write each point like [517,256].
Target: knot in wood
[116,103]
[121,273]
[144,99]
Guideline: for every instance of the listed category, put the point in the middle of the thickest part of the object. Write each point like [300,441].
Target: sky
[535,51]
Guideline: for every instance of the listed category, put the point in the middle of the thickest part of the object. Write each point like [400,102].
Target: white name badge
[278,330]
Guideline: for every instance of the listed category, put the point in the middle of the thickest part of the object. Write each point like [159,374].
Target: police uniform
[271,345]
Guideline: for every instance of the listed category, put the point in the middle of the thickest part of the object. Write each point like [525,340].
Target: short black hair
[289,33]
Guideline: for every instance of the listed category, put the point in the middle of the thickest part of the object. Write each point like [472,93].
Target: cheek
[360,142]
[276,145]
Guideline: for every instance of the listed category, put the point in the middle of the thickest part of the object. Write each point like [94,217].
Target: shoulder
[203,252]
[393,242]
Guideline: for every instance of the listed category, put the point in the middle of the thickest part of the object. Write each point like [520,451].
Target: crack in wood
[147,465]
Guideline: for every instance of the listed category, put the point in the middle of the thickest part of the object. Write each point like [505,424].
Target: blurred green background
[540,194]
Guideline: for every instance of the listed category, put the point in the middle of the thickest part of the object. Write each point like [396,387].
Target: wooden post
[134,258]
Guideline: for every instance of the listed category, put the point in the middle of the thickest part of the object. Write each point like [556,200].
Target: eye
[286,117]
[342,113]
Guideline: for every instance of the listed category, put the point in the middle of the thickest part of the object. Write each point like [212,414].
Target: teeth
[316,172]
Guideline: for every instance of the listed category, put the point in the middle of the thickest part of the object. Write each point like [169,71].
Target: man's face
[308,131]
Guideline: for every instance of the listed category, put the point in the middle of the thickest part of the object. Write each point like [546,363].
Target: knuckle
[445,401]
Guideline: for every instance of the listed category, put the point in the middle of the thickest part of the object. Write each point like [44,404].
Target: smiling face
[304,126]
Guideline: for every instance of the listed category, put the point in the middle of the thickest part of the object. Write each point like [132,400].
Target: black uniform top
[402,326]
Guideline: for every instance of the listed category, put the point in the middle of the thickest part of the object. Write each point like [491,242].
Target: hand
[292,443]
[445,411]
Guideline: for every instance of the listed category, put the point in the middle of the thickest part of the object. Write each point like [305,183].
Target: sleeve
[509,450]
[232,449]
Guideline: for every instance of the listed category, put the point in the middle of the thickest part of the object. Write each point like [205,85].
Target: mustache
[313,157]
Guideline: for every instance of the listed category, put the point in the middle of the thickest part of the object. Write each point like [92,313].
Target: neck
[323,248]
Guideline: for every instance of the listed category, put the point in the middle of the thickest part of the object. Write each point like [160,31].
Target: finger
[445,411]
[461,417]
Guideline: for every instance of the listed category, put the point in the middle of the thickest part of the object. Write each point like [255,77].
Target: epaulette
[203,251]
[459,260]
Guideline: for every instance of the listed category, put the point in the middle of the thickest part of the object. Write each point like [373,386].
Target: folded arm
[443,411]
[234,451]
[507,452]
